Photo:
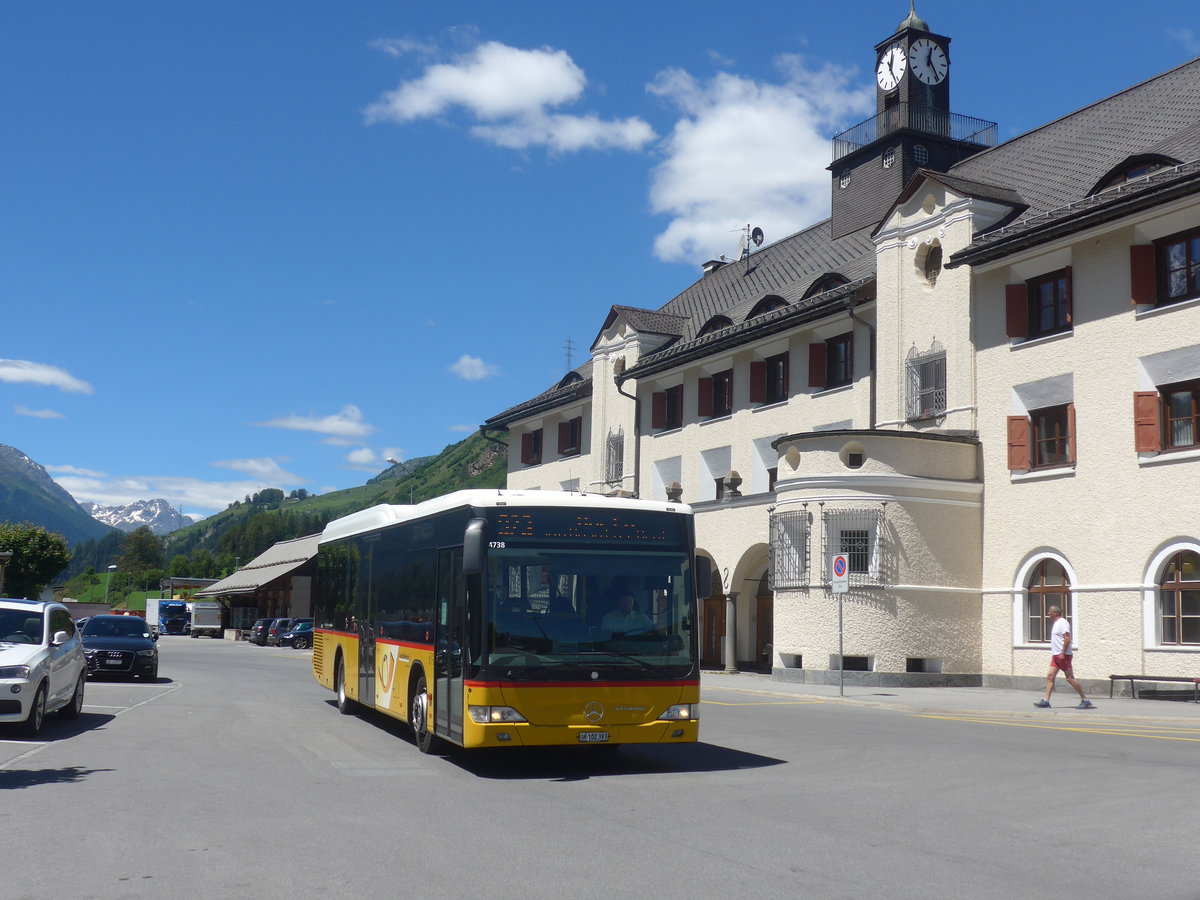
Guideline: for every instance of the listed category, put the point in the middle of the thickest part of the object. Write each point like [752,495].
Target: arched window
[1179,599]
[1132,169]
[1048,586]
[826,282]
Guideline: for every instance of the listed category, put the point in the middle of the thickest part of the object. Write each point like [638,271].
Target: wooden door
[713,633]
[764,632]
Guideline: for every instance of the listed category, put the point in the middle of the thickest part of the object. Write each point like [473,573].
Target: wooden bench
[1175,679]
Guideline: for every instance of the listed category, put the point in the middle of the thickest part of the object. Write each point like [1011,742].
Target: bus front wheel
[344,704]
[418,717]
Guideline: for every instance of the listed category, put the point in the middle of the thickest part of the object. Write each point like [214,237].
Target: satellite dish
[757,236]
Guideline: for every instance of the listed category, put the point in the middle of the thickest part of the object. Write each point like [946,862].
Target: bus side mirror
[474,542]
[703,577]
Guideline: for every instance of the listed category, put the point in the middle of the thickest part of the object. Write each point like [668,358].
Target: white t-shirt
[1061,628]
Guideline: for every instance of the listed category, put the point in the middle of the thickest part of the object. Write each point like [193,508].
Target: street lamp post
[111,571]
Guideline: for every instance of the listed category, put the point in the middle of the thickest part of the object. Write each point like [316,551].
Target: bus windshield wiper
[658,670]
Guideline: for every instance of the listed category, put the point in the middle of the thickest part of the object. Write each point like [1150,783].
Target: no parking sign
[839,568]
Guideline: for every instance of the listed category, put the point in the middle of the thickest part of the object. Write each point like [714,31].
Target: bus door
[368,606]
[451,645]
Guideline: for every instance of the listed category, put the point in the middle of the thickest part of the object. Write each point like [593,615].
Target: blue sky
[269,244]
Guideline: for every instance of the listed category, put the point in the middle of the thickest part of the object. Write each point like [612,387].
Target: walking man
[1060,660]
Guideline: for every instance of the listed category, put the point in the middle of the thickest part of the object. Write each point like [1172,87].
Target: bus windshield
[573,614]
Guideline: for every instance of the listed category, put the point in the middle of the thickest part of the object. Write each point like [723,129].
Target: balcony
[925,119]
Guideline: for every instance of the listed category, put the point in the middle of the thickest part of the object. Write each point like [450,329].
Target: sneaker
[1086,704]
[1044,704]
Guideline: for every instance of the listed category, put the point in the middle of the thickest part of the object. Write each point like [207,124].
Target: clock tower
[912,128]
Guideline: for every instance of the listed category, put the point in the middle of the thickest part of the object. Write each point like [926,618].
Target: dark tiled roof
[1057,165]
[559,395]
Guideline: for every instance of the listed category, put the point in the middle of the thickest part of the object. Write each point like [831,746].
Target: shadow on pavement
[582,763]
[11,780]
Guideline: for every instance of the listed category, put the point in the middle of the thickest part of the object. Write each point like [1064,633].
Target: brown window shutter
[527,448]
[1070,426]
[1070,307]
[564,437]
[658,409]
[1143,277]
[704,397]
[1147,432]
[1016,310]
[816,365]
[1018,443]
[758,381]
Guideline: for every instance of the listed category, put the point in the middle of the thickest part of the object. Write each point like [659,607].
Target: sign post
[839,583]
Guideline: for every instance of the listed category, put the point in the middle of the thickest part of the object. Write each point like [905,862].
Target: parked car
[276,629]
[300,636]
[42,663]
[121,645]
[258,632]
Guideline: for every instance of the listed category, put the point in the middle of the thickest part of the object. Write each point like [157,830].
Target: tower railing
[913,117]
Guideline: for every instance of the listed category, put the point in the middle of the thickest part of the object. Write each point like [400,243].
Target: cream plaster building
[978,381]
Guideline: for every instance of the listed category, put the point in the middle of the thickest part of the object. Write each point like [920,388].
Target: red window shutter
[1070,308]
[1143,276]
[527,448]
[758,381]
[704,398]
[1147,432]
[564,437]
[658,410]
[1018,443]
[816,365]
[1070,425]
[1016,310]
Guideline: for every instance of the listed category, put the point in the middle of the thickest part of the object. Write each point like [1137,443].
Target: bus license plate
[593,737]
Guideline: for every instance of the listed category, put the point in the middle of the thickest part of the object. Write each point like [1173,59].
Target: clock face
[928,59]
[891,67]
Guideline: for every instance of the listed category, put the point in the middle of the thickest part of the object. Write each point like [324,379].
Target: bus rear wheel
[418,717]
[344,704]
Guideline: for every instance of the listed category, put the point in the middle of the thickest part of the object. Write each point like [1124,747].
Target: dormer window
[716,323]
[1132,169]
[825,283]
[766,305]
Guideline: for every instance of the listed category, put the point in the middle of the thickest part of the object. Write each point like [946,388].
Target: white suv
[42,666]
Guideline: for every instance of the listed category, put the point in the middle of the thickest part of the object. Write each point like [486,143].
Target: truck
[206,619]
[172,616]
[152,614]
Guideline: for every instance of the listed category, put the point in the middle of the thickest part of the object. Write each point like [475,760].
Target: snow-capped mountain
[159,515]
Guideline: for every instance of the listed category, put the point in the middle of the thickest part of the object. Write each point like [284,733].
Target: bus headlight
[484,715]
[680,712]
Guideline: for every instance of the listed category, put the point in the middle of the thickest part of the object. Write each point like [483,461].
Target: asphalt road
[234,776]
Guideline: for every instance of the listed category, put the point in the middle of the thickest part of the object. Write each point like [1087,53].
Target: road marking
[765,703]
[1116,729]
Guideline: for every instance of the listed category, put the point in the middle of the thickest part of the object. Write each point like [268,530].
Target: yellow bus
[514,618]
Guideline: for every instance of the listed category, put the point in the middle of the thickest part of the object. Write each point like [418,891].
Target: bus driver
[625,619]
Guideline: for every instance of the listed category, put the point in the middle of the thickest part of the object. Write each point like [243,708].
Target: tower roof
[913,21]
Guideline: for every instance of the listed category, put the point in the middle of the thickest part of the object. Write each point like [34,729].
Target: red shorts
[1062,662]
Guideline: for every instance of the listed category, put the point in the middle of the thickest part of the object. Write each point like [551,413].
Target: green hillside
[247,529]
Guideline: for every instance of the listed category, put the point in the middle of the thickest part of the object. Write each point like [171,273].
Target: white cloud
[472,368]
[20,371]
[22,410]
[193,496]
[75,470]
[403,46]
[509,92]
[264,469]
[361,457]
[343,425]
[748,152]
[464,428]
